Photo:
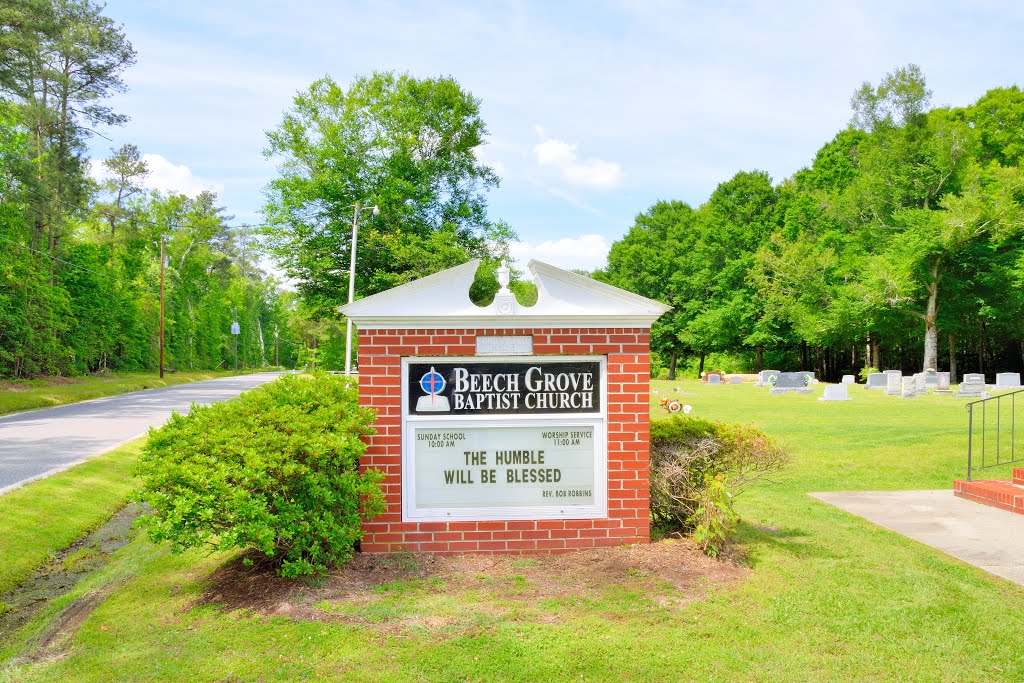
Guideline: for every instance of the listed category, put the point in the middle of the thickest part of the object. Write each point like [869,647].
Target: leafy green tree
[405,144]
[652,260]
[739,217]
[62,60]
[925,197]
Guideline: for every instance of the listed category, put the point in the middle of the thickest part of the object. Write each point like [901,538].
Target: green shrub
[698,467]
[275,470]
[715,518]
[864,372]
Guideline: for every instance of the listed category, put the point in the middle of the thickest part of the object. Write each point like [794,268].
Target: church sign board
[507,428]
[504,439]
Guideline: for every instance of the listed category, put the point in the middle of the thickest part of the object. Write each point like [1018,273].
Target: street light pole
[162,241]
[352,282]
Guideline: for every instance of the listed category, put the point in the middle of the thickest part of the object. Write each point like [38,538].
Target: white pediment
[564,299]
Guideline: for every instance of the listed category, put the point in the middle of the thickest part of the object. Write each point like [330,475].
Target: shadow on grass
[790,541]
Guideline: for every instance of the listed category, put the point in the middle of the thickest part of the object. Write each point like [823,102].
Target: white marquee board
[532,443]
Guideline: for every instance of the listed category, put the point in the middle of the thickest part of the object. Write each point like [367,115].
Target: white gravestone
[1008,380]
[849,379]
[971,387]
[912,386]
[714,379]
[835,392]
[931,379]
[735,380]
[877,380]
[764,377]
[942,386]
[898,373]
[893,384]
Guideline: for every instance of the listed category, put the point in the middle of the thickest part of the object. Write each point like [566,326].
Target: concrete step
[1018,476]
[999,493]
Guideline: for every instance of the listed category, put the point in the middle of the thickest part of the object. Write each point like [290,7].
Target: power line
[151,223]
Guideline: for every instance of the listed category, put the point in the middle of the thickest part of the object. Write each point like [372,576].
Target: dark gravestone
[798,382]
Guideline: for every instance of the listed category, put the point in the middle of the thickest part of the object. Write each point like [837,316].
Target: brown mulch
[670,572]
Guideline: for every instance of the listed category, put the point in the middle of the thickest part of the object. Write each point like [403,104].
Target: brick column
[628,379]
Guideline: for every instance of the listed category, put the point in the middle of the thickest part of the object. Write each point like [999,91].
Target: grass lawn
[48,515]
[829,597]
[19,395]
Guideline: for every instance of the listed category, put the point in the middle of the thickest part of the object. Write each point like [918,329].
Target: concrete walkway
[39,443]
[986,537]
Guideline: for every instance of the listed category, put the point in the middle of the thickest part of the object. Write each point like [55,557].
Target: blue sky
[595,109]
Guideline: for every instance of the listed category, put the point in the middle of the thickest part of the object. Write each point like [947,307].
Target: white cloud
[164,176]
[562,156]
[586,252]
[482,156]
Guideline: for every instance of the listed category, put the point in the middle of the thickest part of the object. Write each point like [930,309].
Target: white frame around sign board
[598,421]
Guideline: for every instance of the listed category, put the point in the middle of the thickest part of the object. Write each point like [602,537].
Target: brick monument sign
[507,428]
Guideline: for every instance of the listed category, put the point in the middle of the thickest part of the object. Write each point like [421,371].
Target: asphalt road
[39,443]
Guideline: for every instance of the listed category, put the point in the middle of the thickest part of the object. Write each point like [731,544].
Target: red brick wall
[628,521]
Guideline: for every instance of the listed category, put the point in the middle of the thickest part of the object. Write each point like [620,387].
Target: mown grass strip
[829,595]
[48,515]
[29,395]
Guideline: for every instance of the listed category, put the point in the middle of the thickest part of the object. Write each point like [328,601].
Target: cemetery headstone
[835,392]
[942,384]
[931,379]
[894,384]
[973,386]
[797,382]
[877,380]
[898,373]
[764,377]
[1008,380]
[849,379]
[714,378]
[735,380]
[912,387]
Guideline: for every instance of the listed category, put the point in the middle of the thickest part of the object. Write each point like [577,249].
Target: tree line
[899,246]
[80,257]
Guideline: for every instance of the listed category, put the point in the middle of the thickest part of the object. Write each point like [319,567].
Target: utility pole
[162,240]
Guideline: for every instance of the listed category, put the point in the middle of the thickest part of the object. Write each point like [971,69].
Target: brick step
[1000,493]
[1018,476]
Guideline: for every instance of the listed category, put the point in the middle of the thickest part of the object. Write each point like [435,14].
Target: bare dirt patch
[396,591]
[58,576]
[26,384]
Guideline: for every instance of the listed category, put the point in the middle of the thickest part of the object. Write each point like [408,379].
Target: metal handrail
[1012,395]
